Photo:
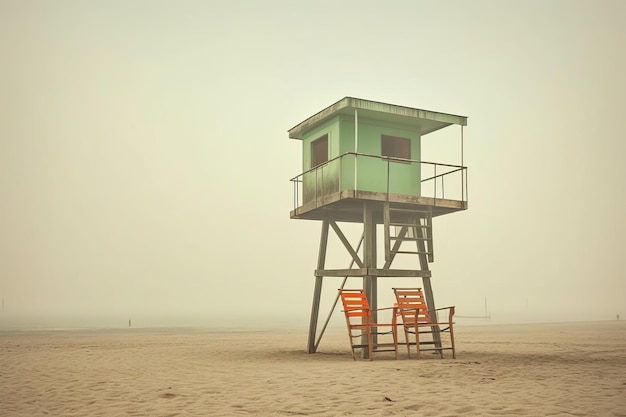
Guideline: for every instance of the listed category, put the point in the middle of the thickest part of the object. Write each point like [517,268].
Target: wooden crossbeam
[347,245]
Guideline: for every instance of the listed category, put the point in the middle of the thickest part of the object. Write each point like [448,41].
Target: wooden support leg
[317,292]
[428,289]
[370,344]
[315,309]
[369,261]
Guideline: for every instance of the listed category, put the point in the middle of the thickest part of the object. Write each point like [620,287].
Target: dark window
[395,147]
[319,151]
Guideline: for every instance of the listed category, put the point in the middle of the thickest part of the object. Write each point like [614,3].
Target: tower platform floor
[347,206]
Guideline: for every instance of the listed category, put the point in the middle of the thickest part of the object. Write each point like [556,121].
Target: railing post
[355,173]
[443,191]
[466,187]
[462,183]
[340,170]
[387,179]
[322,190]
[316,188]
[435,184]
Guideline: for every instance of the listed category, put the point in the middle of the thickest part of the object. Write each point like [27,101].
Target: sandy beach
[559,369]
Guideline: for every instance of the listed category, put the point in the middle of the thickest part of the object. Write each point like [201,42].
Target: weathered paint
[325,179]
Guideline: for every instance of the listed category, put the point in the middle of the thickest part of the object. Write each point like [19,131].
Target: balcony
[337,188]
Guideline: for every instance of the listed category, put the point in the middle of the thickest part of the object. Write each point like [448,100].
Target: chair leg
[452,341]
[394,332]
[417,341]
[407,339]
[350,339]
[351,343]
[434,330]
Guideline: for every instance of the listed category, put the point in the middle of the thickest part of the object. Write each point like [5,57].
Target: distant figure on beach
[618,316]
[129,324]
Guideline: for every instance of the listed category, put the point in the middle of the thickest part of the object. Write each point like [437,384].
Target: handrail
[442,175]
[316,167]
[437,191]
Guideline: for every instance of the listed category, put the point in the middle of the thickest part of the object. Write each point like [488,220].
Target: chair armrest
[355,309]
[450,314]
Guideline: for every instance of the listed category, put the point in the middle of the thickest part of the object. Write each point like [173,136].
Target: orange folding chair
[360,323]
[411,305]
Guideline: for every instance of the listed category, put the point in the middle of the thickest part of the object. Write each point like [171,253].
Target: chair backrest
[355,303]
[412,305]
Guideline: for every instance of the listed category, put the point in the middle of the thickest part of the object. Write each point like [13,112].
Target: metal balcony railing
[365,172]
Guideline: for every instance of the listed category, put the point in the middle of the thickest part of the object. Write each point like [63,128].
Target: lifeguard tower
[362,164]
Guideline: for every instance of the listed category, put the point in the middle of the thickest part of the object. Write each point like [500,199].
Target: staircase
[407,225]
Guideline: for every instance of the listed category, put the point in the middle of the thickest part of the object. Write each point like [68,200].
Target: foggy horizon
[145,161]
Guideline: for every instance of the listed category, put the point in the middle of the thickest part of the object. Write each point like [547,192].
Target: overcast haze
[145,163]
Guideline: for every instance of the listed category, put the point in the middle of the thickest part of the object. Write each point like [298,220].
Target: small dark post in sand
[362,164]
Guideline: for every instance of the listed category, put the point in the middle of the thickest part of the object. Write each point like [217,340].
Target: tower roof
[427,121]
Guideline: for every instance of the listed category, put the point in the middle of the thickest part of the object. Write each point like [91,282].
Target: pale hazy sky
[144,158]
